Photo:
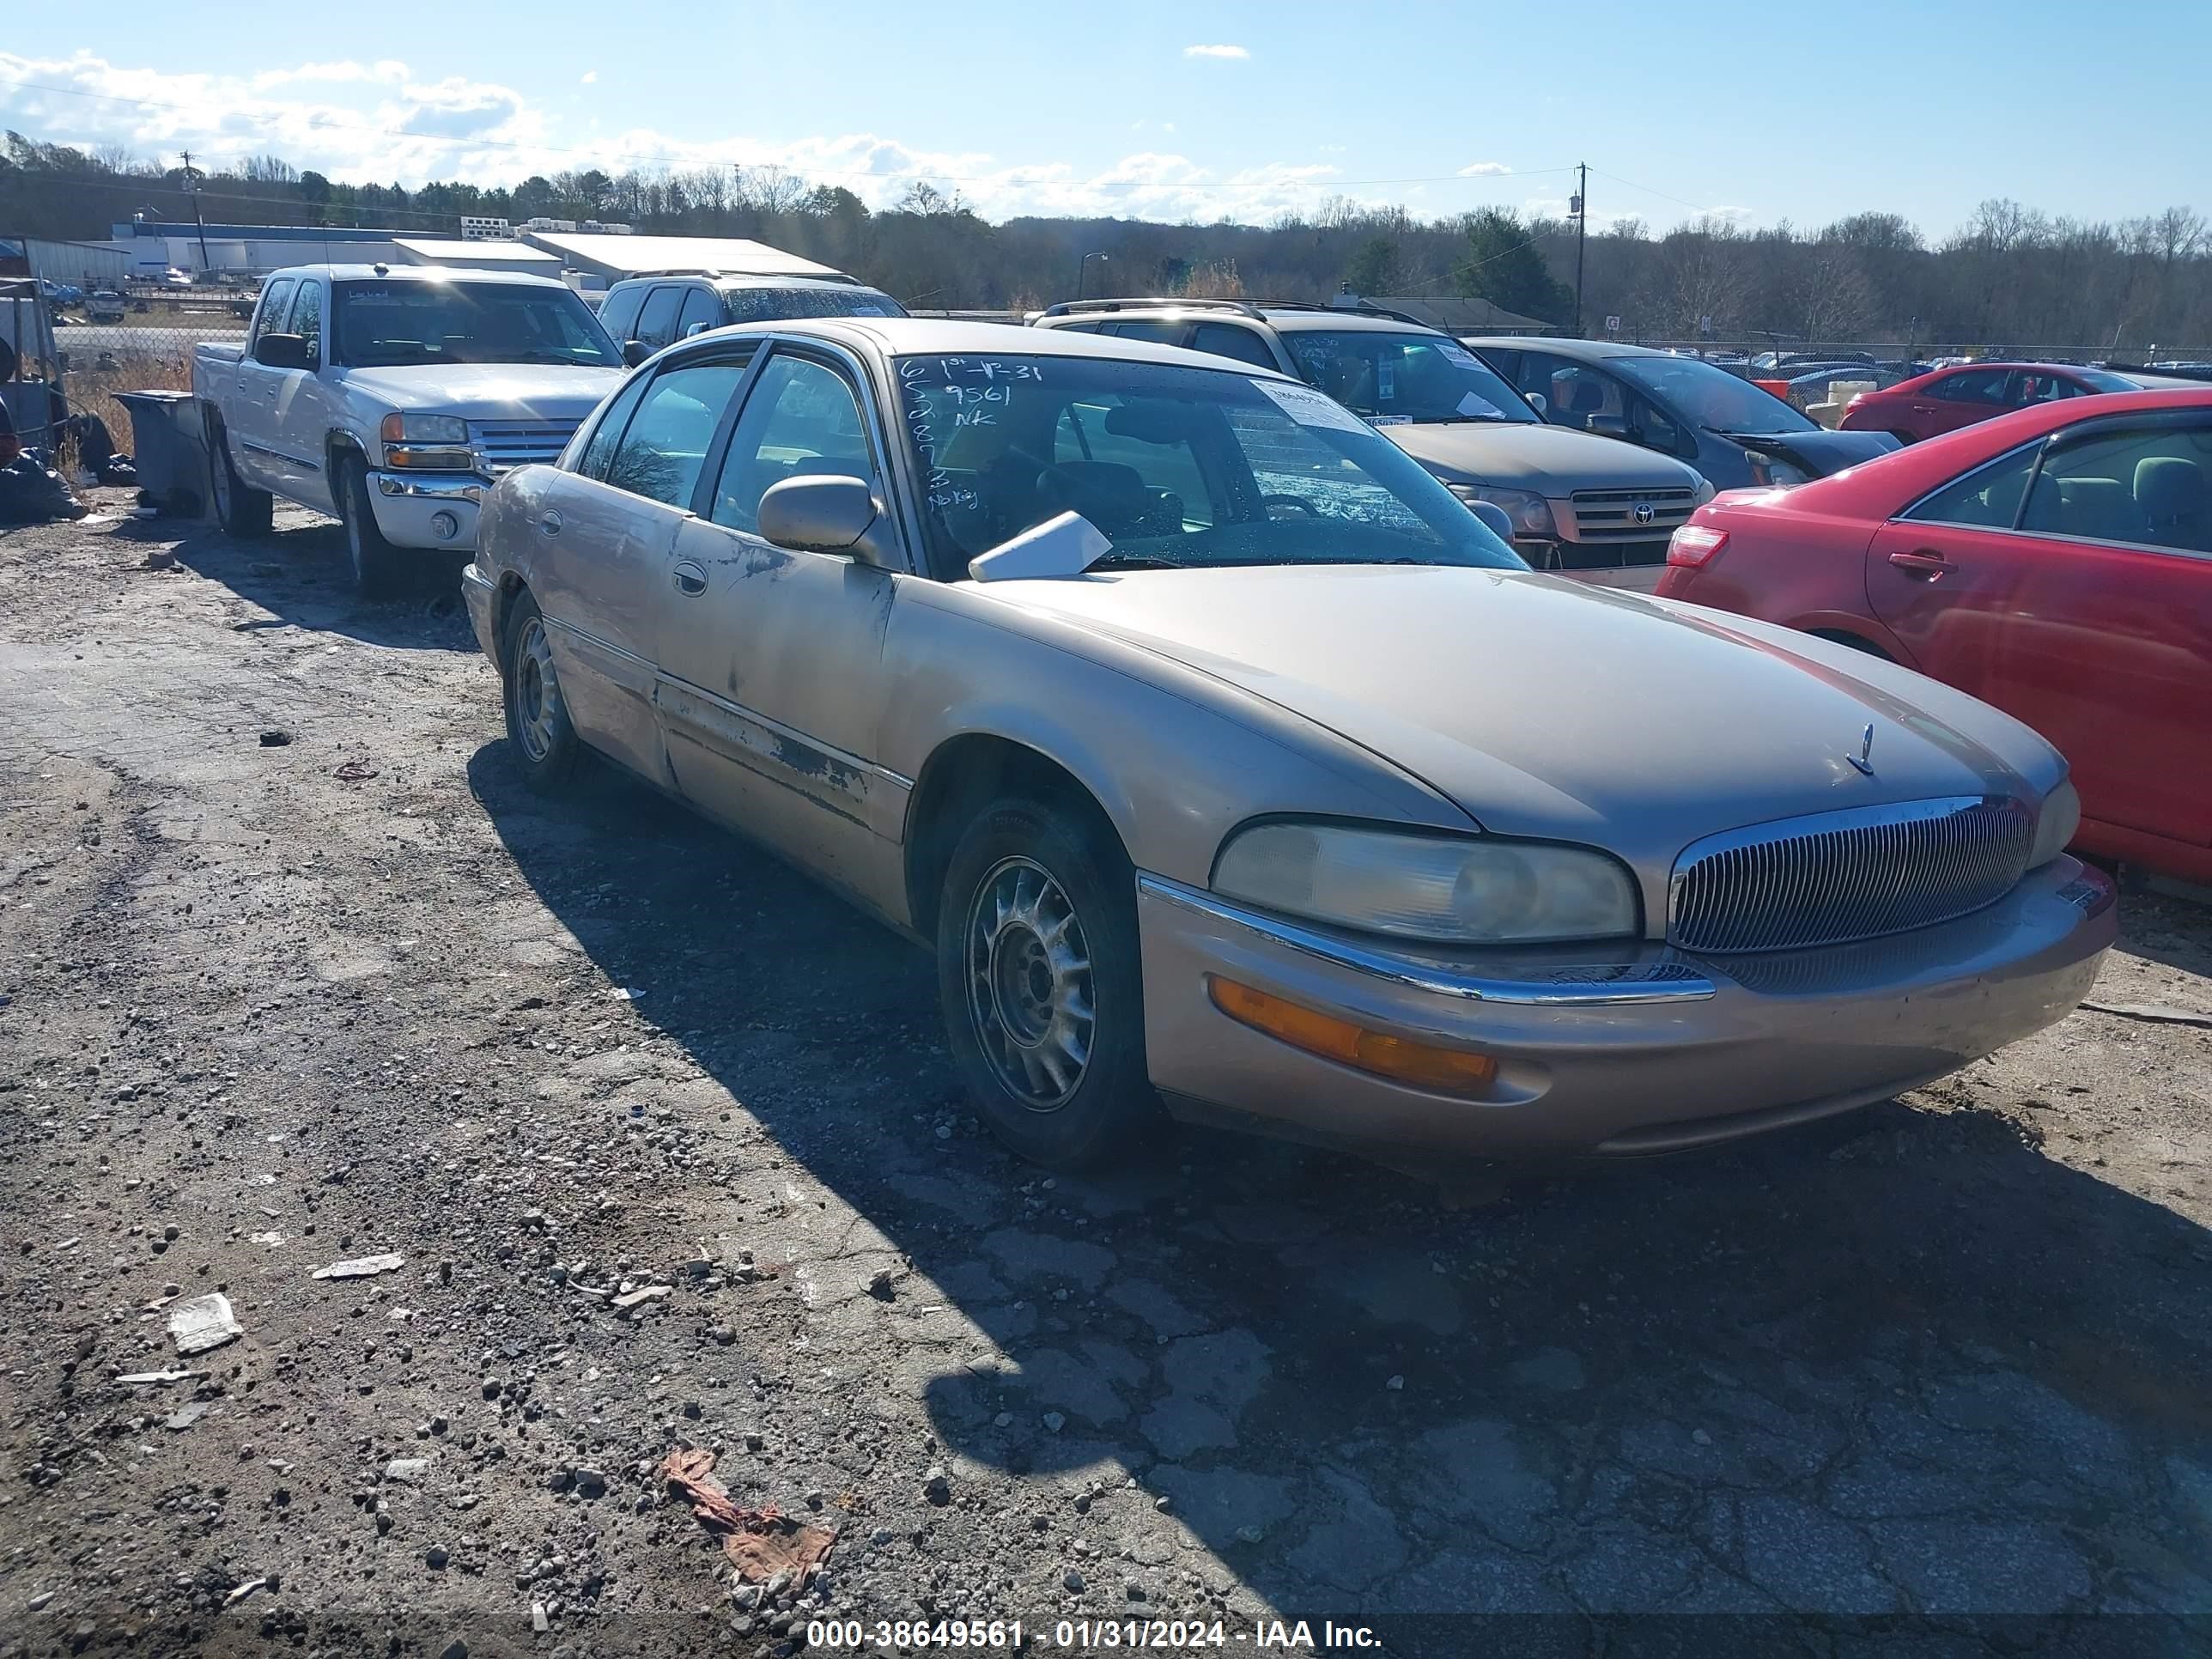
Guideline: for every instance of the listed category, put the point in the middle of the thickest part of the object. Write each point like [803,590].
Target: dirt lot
[1936,1373]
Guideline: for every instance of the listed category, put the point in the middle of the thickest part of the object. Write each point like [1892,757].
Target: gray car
[1737,434]
[1574,503]
[1228,763]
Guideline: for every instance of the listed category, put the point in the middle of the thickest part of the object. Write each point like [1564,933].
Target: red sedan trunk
[2055,562]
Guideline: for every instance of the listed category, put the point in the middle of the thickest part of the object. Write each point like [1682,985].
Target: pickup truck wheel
[1037,971]
[240,508]
[377,564]
[538,725]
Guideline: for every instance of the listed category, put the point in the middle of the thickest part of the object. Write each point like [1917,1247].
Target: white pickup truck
[390,396]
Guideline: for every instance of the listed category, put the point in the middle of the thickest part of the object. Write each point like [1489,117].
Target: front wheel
[377,565]
[1038,975]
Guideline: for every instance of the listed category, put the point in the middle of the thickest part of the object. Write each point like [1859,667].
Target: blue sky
[1803,112]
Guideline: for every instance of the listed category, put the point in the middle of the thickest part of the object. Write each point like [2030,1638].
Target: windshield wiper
[1135,562]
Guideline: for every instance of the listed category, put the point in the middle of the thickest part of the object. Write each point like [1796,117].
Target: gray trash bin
[168,447]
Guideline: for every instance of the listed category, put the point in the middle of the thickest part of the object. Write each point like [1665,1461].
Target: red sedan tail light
[1693,544]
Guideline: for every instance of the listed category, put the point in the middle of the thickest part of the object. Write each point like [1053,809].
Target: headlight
[1445,890]
[1773,469]
[436,443]
[1705,491]
[2054,824]
[1531,513]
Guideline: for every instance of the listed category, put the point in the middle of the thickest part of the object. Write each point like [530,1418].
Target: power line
[631,158]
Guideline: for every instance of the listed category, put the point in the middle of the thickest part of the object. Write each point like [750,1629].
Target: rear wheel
[377,565]
[537,724]
[240,508]
[1039,979]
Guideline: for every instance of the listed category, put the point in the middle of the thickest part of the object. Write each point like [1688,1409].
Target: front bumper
[1653,1050]
[409,505]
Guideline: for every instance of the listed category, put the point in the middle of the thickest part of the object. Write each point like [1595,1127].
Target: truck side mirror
[635,352]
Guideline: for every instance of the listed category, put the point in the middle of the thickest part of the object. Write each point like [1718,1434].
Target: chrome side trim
[442,490]
[1609,984]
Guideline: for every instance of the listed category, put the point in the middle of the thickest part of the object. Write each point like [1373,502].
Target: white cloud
[1485,170]
[588,78]
[380,121]
[1216,52]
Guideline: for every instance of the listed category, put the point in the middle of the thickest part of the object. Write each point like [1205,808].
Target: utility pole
[1582,233]
[192,182]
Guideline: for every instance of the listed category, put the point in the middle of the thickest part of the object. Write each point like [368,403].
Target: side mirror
[1494,519]
[696,328]
[635,352]
[1540,403]
[826,512]
[284,351]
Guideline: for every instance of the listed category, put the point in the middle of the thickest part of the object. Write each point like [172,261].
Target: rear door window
[2148,486]
[1158,333]
[663,449]
[656,323]
[1227,340]
[1972,385]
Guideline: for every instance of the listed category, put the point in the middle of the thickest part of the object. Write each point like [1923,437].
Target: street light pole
[1082,267]
[1582,233]
[192,183]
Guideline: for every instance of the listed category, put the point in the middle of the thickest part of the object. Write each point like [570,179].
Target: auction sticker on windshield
[1309,408]
[1457,356]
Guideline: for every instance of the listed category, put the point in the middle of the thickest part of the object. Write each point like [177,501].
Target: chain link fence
[99,360]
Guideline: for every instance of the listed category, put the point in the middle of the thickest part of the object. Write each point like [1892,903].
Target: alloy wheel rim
[1028,970]
[536,695]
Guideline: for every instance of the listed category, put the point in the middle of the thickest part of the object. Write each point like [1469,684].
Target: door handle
[549,522]
[1922,561]
[690,578]
[1924,409]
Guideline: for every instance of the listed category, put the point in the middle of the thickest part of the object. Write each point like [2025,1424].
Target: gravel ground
[1929,1378]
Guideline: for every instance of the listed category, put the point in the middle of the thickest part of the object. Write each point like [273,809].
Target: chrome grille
[1610,515]
[1837,876]
[502,445]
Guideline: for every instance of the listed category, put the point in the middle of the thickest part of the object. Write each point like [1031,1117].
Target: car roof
[1280,315]
[415,274]
[1590,350]
[910,336]
[725,280]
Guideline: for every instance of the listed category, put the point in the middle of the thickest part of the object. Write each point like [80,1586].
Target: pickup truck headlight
[2056,824]
[426,443]
[1445,890]
[1531,513]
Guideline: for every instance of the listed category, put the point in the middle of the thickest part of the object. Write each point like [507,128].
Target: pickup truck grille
[1619,515]
[505,445]
[1835,877]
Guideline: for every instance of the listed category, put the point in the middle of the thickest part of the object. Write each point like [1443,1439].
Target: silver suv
[1585,503]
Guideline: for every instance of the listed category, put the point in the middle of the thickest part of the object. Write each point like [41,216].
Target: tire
[1038,974]
[240,508]
[544,740]
[379,567]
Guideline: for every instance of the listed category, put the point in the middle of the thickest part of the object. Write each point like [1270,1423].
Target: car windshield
[1178,467]
[773,305]
[1715,399]
[1404,377]
[381,323]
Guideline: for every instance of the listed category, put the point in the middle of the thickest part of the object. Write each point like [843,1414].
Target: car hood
[1550,460]
[1545,707]
[1820,452]
[481,391]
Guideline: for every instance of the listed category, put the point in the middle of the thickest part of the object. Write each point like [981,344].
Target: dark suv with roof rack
[1576,502]
[648,312]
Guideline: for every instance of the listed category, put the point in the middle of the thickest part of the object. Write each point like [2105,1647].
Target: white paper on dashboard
[1309,408]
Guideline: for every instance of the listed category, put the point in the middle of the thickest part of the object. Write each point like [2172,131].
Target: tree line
[2010,276]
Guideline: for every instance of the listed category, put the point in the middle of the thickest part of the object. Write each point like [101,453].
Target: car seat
[2169,492]
[1585,397]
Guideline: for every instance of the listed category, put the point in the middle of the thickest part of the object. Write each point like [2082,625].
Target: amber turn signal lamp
[1401,1060]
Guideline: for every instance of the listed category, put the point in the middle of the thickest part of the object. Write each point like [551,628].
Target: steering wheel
[1298,502]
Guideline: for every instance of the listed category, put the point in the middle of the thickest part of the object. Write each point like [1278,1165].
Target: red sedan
[2056,563]
[1969,394]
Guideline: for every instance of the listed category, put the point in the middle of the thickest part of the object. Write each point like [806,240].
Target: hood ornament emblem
[1646,513]
[1864,759]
